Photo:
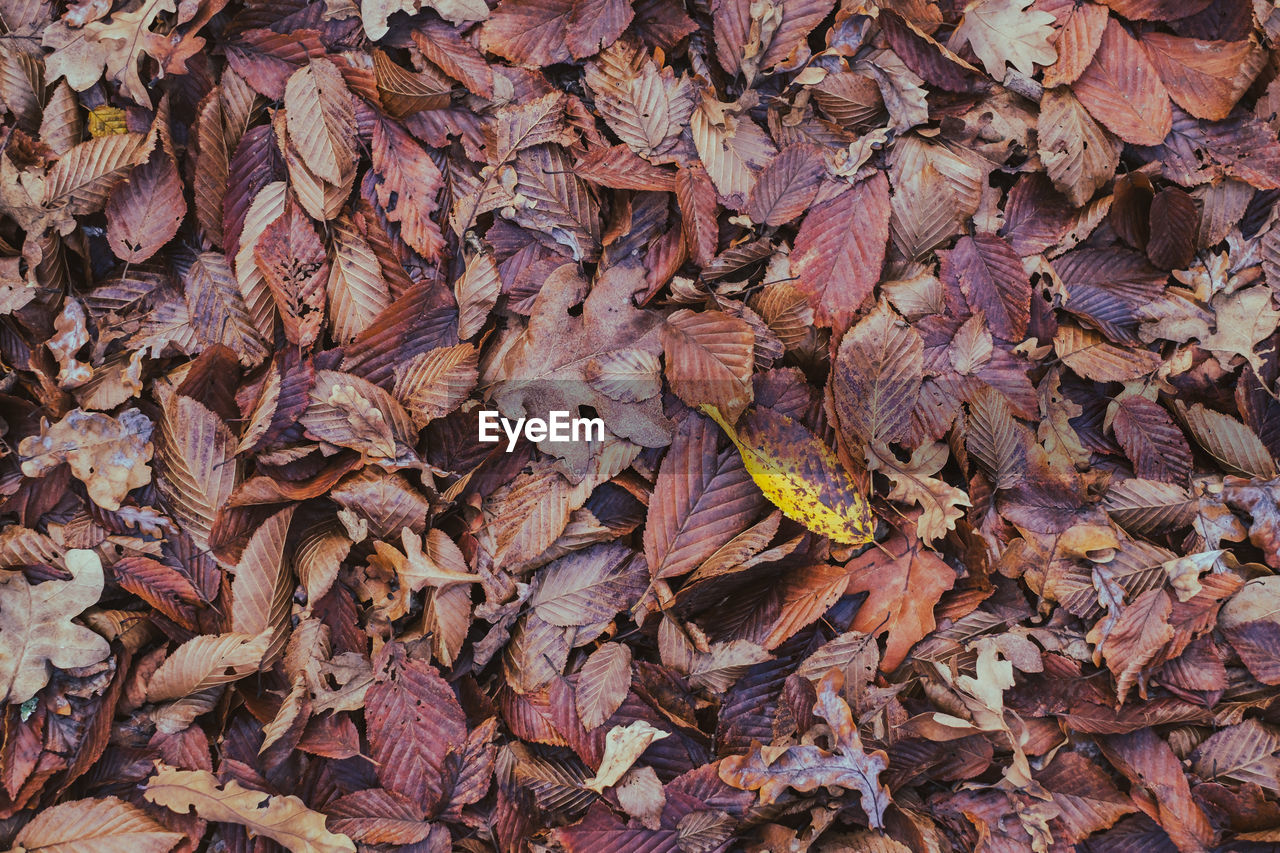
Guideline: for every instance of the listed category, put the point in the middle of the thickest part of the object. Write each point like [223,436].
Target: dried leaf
[817,492]
[36,628]
[285,820]
[109,455]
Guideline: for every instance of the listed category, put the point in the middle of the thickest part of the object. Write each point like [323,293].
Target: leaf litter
[934,346]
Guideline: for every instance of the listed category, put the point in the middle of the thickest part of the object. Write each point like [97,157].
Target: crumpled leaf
[109,455]
[1006,32]
[623,745]
[806,768]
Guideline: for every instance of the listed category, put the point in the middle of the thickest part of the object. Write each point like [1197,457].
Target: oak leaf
[36,628]
[808,767]
[1006,32]
[109,455]
[903,583]
[543,367]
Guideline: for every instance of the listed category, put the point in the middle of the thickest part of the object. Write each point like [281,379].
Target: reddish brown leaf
[414,722]
[840,249]
[991,277]
[902,586]
[292,259]
[787,186]
[1121,88]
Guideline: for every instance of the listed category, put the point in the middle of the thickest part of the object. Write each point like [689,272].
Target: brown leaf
[292,261]
[703,497]
[36,628]
[321,119]
[1079,33]
[414,721]
[991,277]
[1205,78]
[145,210]
[709,358]
[903,588]
[840,249]
[787,186]
[1156,774]
[1123,91]
[603,683]
[805,768]
[93,825]
[875,382]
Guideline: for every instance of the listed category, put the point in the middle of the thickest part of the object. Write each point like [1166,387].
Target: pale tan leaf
[1088,354]
[732,148]
[357,291]
[320,554]
[321,119]
[622,746]
[434,383]
[625,375]
[1007,32]
[477,292]
[914,482]
[646,107]
[1229,441]
[1243,753]
[267,206]
[285,820]
[195,462]
[81,180]
[1079,155]
[207,661]
[109,455]
[603,683]
[262,578]
[353,412]
[36,628]
[104,825]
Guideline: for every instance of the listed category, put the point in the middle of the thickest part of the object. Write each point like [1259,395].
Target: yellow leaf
[107,121]
[800,475]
